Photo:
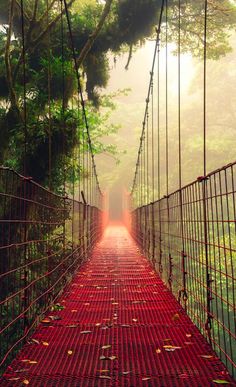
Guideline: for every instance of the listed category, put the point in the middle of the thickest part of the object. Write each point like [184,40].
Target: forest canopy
[38,78]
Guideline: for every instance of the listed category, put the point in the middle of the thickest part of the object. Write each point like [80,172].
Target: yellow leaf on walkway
[206,356]
[106,346]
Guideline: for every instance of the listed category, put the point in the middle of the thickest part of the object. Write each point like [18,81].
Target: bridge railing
[44,238]
[190,237]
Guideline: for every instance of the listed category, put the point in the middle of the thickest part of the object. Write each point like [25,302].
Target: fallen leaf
[46,321]
[106,346]
[170,348]
[72,326]
[135,319]
[74,310]
[125,325]
[98,324]
[85,332]
[146,378]
[104,377]
[112,357]
[25,360]
[206,356]
[102,357]
[14,379]
[55,318]
[22,370]
[104,371]
[158,350]
[176,317]
[221,381]
[188,335]
[165,340]
[45,343]
[33,341]
[70,352]
[25,381]
[126,372]
[33,362]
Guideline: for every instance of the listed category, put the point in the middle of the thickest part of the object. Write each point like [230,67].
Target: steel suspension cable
[158,126]
[25,256]
[153,176]
[183,291]
[63,94]
[152,143]
[63,118]
[208,324]
[147,156]
[49,75]
[167,129]
[149,91]
[24,85]
[81,94]
[159,160]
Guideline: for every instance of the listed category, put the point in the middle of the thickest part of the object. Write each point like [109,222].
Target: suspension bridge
[150,302]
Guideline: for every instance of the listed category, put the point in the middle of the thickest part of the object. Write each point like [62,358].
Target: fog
[221,140]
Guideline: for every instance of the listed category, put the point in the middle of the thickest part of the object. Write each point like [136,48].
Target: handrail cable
[158,30]
[81,94]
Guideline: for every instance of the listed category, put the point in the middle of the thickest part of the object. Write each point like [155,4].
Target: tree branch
[26,16]
[50,26]
[129,57]
[49,9]
[31,45]
[88,45]
[35,10]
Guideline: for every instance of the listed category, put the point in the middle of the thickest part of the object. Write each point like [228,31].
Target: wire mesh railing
[44,238]
[190,237]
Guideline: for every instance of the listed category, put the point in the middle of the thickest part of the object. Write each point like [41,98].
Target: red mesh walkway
[120,326]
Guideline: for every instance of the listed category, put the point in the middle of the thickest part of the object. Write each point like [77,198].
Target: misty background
[221,141]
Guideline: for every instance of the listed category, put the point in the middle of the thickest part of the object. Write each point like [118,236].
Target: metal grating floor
[117,302]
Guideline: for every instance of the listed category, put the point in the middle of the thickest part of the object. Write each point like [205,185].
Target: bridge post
[183,292]
[208,324]
[170,271]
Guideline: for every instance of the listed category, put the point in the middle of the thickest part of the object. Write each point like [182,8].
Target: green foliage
[221,19]
[49,79]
